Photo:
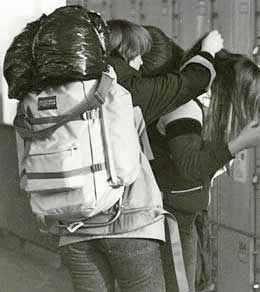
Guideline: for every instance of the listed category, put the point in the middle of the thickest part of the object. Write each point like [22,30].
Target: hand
[112,73]
[248,137]
[212,43]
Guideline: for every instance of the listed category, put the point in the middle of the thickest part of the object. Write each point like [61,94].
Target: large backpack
[78,161]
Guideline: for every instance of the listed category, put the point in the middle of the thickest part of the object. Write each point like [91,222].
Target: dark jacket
[161,94]
[183,160]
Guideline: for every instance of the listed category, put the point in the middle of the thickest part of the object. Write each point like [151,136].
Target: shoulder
[123,70]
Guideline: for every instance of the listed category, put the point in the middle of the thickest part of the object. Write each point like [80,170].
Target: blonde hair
[128,39]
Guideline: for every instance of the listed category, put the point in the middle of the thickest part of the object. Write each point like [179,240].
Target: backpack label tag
[47,103]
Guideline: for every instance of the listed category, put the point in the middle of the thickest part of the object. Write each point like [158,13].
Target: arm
[198,160]
[162,94]
[192,157]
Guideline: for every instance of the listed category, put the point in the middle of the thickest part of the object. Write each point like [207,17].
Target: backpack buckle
[74,226]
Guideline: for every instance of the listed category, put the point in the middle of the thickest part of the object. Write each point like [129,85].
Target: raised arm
[196,160]
[162,94]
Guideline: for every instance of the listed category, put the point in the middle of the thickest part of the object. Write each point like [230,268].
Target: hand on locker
[212,43]
[248,137]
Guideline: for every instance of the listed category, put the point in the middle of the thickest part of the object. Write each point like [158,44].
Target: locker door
[235,19]
[257,33]
[257,193]
[233,202]
[77,2]
[158,13]
[195,20]
[234,262]
[126,9]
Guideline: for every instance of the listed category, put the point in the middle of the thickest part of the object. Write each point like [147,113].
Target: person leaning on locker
[158,95]
[188,153]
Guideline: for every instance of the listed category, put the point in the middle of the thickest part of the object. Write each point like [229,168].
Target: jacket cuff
[207,56]
[200,59]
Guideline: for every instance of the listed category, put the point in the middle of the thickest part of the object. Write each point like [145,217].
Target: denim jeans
[95,265]
[189,239]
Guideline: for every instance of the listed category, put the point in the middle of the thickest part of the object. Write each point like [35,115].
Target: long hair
[128,39]
[235,95]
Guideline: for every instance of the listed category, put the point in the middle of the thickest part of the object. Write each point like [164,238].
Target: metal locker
[77,2]
[235,231]
[158,13]
[257,191]
[194,20]
[127,9]
[233,261]
[232,196]
[235,20]
[256,51]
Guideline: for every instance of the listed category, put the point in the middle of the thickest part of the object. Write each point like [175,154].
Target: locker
[187,20]
[127,9]
[158,13]
[235,265]
[235,230]
[235,20]
[257,33]
[194,20]
[233,196]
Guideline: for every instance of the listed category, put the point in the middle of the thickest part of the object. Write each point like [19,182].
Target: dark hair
[164,56]
[235,99]
[128,39]
[194,50]
[235,94]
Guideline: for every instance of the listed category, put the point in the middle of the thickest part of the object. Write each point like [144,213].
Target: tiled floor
[23,273]
[25,267]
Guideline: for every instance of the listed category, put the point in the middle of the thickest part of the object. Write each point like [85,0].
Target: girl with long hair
[191,143]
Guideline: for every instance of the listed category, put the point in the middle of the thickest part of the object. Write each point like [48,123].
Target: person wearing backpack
[67,119]
[98,251]
[190,148]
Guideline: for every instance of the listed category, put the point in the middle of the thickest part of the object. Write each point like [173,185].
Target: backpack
[78,160]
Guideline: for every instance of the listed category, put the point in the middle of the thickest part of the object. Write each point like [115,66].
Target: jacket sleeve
[162,94]
[194,158]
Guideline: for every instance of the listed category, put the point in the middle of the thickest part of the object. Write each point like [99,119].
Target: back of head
[164,56]
[128,39]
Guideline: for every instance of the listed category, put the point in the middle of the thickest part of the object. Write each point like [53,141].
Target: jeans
[189,239]
[95,265]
